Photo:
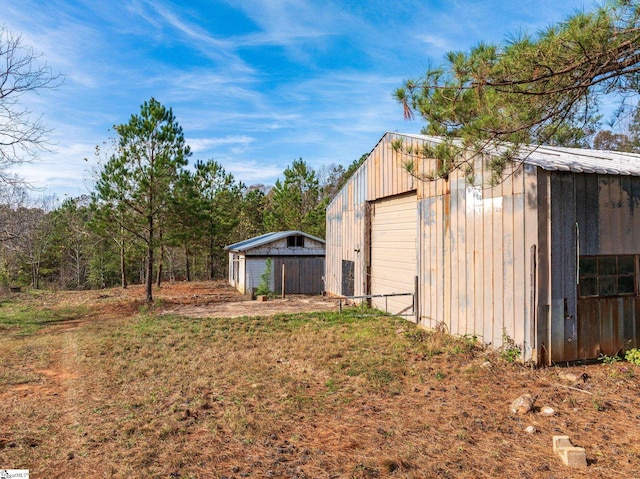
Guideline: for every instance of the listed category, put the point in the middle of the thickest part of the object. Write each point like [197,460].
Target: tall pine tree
[138,179]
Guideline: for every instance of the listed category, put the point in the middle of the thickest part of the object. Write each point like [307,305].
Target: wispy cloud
[254,83]
[221,51]
[438,42]
[203,144]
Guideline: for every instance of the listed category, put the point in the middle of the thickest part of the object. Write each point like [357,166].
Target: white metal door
[393,252]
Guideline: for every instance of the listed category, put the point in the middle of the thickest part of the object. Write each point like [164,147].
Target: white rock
[522,405]
[547,411]
[570,376]
[531,430]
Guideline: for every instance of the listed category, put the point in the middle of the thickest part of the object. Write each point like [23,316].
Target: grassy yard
[124,392]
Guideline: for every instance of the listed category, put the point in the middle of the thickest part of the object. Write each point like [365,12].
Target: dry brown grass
[109,391]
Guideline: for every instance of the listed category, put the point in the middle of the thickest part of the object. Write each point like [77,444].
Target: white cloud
[438,42]
[204,144]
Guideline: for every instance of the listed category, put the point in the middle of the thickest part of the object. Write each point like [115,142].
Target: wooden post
[283,282]
[416,304]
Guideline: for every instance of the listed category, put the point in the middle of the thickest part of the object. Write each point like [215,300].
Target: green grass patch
[24,318]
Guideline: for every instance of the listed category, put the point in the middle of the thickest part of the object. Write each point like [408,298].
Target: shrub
[633,356]
[263,287]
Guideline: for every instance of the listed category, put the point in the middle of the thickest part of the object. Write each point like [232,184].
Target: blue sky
[255,84]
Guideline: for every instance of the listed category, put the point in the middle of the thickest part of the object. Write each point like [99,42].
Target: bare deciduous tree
[22,135]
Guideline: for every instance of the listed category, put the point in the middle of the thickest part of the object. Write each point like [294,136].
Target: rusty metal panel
[604,209]
[627,239]
[587,213]
[612,208]
[529,302]
[619,225]
[607,326]
[630,323]
[543,331]
[633,198]
[564,268]
[588,328]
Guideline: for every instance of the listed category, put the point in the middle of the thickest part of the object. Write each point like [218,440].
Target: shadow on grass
[22,320]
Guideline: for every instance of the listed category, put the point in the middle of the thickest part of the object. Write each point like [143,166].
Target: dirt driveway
[235,309]
[218,299]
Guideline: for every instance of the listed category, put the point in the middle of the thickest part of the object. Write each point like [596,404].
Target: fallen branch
[575,389]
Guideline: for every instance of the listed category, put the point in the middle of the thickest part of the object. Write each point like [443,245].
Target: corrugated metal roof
[578,160]
[267,238]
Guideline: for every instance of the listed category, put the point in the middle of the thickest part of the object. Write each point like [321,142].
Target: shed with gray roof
[297,255]
[547,260]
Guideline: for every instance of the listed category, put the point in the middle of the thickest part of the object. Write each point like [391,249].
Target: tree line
[153,217]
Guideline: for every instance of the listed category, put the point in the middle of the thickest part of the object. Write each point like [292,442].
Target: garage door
[393,252]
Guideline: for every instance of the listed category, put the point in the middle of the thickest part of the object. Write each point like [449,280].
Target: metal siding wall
[475,245]
[455,245]
[619,226]
[345,232]
[587,213]
[439,263]
[427,261]
[517,264]
[564,331]
[607,214]
[634,210]
[606,211]
[628,240]
[526,306]
[603,207]
[381,175]
[475,265]
[543,276]
[503,236]
[466,294]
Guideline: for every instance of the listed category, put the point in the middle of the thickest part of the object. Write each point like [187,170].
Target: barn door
[393,252]
[303,275]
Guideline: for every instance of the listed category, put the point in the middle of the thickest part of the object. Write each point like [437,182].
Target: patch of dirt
[202,299]
[236,309]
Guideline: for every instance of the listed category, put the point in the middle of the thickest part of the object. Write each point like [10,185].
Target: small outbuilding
[296,255]
[547,259]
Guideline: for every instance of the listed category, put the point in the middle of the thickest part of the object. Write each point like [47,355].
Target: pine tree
[137,181]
